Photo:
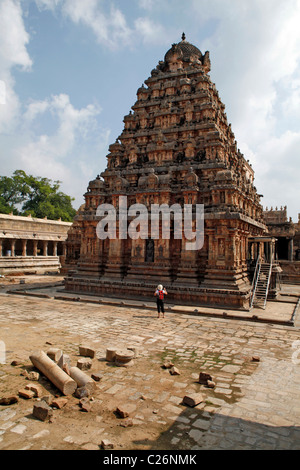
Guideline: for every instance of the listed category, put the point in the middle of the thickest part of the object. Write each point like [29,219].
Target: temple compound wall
[177,147]
[31,245]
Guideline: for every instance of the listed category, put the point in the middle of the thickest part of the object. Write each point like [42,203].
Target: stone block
[64,363]
[210,384]
[84,363]
[204,377]
[193,399]
[87,351]
[42,411]
[82,392]
[25,393]
[85,404]
[106,444]
[168,365]
[174,371]
[36,389]
[59,402]
[97,376]
[123,411]
[134,349]
[124,357]
[126,423]
[48,399]
[111,354]
[255,359]
[33,376]
[54,354]
[9,400]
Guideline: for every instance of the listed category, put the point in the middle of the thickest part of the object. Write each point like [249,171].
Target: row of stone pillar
[45,243]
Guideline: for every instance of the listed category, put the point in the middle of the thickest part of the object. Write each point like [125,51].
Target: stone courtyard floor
[255,403]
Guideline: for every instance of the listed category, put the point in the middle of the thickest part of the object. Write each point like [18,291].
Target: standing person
[160,297]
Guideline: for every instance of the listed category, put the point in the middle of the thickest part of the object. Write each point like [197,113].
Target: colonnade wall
[31,244]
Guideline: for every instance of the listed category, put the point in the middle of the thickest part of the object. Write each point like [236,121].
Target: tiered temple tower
[176,148]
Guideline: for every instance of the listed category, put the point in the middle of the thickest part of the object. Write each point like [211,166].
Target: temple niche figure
[176,148]
[149,251]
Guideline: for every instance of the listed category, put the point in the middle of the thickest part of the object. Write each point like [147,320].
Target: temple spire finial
[183,37]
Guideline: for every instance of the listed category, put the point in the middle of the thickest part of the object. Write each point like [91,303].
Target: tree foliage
[25,194]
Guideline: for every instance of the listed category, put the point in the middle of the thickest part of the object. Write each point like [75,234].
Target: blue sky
[70,69]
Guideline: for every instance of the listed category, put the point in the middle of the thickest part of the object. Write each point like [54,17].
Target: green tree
[25,194]
[12,191]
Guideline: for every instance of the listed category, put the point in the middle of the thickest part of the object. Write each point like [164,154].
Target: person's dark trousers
[160,306]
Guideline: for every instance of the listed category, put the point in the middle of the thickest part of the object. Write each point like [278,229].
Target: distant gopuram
[176,149]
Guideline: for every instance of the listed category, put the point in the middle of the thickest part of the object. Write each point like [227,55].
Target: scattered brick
[25,393]
[168,365]
[255,359]
[210,384]
[34,376]
[126,423]
[48,399]
[123,411]
[85,404]
[106,444]
[174,371]
[64,363]
[59,402]
[97,376]
[36,389]
[9,400]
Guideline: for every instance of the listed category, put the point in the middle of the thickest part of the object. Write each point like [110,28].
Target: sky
[70,70]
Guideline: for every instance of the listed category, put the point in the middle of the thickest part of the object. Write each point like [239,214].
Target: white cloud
[148,4]
[109,23]
[255,44]
[110,27]
[72,123]
[255,54]
[13,53]
[2,92]
[13,36]
[48,4]
[151,32]
[278,174]
[291,105]
[65,154]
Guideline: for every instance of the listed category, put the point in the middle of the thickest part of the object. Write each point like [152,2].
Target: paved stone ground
[255,405]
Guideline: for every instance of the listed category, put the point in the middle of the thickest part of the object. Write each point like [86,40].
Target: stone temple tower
[176,148]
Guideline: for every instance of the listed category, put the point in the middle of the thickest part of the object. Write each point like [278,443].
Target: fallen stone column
[82,379]
[53,372]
